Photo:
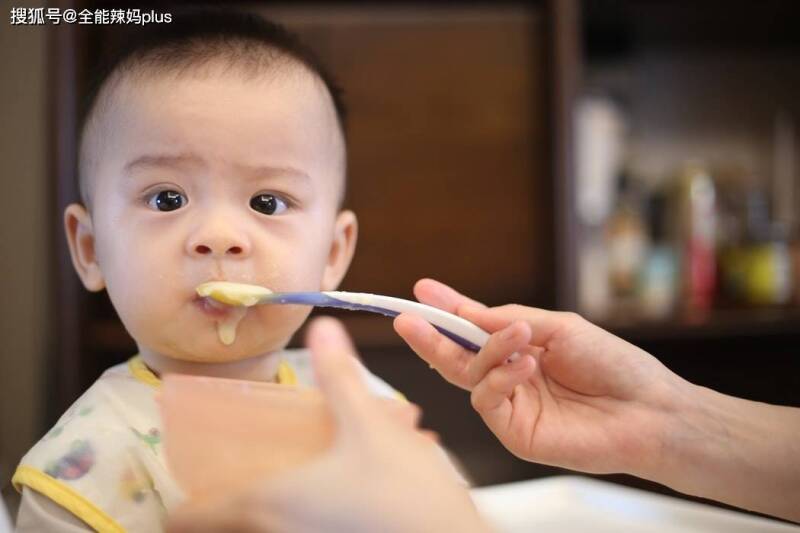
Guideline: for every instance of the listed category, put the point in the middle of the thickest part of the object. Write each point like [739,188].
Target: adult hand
[576,396]
[381,474]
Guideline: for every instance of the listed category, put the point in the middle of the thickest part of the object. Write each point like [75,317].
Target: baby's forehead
[270,105]
[217,82]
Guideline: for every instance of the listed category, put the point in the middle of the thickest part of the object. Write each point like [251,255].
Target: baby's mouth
[227,304]
[227,317]
[212,307]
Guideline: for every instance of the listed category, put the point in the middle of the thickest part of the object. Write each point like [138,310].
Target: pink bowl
[224,434]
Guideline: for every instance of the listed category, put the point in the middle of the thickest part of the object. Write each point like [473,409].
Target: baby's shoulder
[116,403]
[102,459]
[115,412]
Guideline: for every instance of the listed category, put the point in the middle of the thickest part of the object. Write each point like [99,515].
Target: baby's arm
[40,514]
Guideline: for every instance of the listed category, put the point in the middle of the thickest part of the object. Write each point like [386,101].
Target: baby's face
[218,178]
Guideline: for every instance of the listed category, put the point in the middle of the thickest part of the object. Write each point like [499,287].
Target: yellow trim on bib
[66,497]
[285,375]
[140,371]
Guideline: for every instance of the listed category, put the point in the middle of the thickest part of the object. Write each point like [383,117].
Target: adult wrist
[704,442]
[687,431]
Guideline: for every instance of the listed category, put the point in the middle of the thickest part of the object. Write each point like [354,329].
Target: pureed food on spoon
[238,297]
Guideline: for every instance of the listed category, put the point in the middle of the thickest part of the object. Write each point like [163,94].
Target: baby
[213,150]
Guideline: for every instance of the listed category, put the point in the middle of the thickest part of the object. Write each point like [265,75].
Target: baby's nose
[219,245]
[203,249]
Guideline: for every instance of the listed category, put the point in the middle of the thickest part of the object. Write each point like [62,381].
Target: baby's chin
[201,352]
[257,332]
[206,346]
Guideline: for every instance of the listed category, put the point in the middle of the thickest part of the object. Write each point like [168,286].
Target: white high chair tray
[569,504]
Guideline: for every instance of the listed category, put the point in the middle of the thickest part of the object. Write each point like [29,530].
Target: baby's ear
[80,236]
[345,234]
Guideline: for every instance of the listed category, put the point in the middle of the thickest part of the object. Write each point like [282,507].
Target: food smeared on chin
[226,328]
[235,299]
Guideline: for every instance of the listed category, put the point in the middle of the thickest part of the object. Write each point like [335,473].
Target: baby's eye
[167,200]
[269,204]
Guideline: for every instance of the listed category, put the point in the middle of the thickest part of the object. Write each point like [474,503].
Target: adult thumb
[338,371]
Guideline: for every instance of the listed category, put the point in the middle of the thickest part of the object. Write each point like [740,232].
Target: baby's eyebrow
[184,160]
[150,160]
[266,171]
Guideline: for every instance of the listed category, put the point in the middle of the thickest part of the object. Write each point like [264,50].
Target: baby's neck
[259,368]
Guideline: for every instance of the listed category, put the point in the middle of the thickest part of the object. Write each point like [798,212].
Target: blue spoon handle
[459,330]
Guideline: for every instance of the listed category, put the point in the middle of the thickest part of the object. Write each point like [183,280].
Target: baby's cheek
[148,303]
[302,272]
[283,320]
[147,320]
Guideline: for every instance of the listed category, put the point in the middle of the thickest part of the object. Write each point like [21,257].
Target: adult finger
[491,397]
[448,358]
[405,413]
[337,370]
[500,346]
[544,324]
[437,294]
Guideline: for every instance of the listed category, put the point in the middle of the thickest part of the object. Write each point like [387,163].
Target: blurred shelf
[729,323]
[614,26]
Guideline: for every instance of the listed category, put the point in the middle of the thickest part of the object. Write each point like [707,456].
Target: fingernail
[507,333]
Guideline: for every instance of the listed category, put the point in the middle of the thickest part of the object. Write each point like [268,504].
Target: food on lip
[231,293]
[239,295]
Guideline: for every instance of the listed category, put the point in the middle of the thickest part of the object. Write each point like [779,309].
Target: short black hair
[197,35]
[171,44]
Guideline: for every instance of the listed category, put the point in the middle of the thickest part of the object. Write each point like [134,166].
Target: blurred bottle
[785,193]
[696,224]
[600,125]
[627,240]
[659,273]
[769,273]
[757,268]
[767,279]
[733,241]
